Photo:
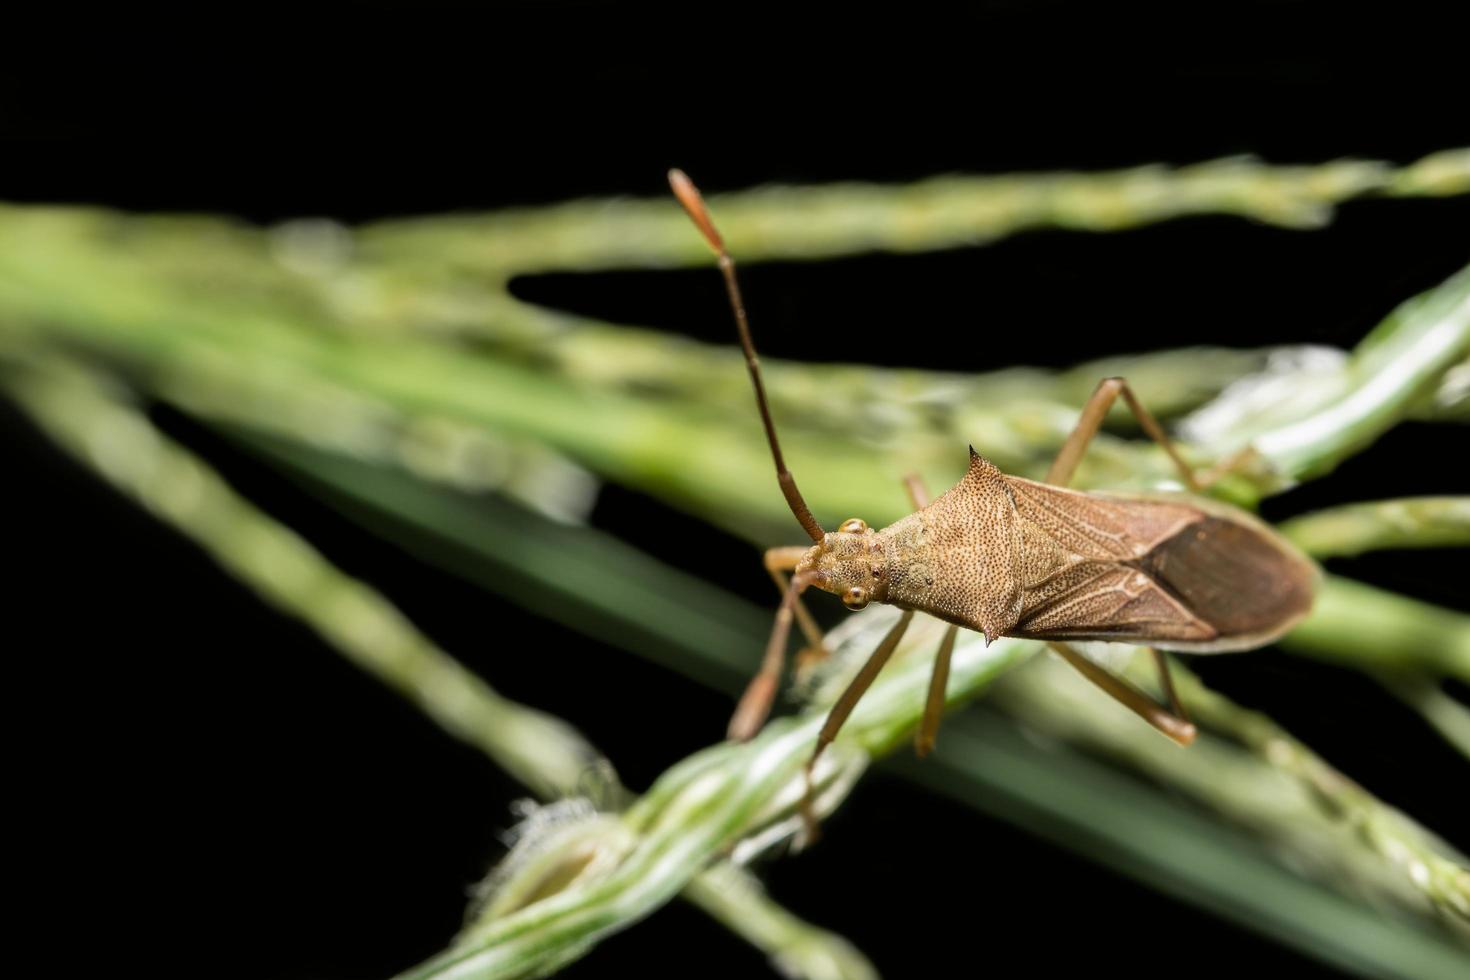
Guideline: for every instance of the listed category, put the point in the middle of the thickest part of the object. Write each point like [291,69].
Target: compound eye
[855,597]
[854,525]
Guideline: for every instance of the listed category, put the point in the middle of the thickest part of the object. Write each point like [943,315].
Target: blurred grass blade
[541,751]
[411,514]
[267,348]
[1405,522]
[1360,626]
[589,580]
[1443,713]
[764,924]
[1252,772]
[701,807]
[941,212]
[356,341]
[1307,429]
[548,567]
[119,443]
[1072,801]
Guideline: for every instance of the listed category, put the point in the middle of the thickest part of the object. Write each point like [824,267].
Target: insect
[1007,556]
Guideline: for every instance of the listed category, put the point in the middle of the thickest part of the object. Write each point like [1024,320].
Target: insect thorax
[955,558]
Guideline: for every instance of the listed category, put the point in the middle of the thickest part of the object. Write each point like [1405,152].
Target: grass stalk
[541,751]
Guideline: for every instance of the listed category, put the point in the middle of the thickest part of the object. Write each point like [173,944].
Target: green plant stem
[259,342]
[121,445]
[764,924]
[691,452]
[470,419]
[1308,430]
[1354,624]
[69,403]
[1425,696]
[1357,625]
[267,337]
[541,751]
[1405,522]
[699,808]
[472,540]
[184,301]
[943,212]
[1415,863]
[1112,817]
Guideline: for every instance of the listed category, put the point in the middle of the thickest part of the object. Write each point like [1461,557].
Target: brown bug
[1006,556]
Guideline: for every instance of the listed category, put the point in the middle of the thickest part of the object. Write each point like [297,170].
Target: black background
[212,792]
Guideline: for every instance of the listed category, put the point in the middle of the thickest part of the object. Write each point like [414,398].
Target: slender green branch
[1406,522]
[1427,697]
[913,701]
[1280,791]
[1421,863]
[579,558]
[370,325]
[541,751]
[1307,430]
[709,800]
[844,219]
[1069,797]
[766,925]
[469,420]
[121,445]
[1360,626]
[693,452]
[700,808]
[268,343]
[1353,624]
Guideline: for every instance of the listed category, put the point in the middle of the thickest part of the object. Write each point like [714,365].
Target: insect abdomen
[1181,573]
[1247,585]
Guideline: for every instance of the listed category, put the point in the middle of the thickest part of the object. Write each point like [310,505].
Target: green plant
[390,370]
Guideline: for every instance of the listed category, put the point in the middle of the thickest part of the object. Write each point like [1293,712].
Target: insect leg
[1161,661]
[859,685]
[778,562]
[1239,459]
[755,703]
[840,711]
[934,706]
[1093,413]
[918,492]
[1176,728]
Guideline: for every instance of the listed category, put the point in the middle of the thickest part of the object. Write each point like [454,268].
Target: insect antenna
[693,203]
